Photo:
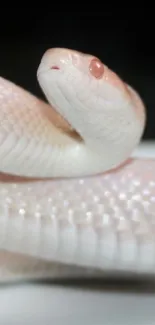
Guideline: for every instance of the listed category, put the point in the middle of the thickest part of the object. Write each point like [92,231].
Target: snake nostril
[55,67]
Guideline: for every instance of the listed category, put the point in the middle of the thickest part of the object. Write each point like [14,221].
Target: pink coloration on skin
[99,71]
[83,221]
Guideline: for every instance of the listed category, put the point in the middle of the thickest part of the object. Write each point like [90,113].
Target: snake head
[107,113]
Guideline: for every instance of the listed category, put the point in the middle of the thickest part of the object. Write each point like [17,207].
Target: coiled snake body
[69,193]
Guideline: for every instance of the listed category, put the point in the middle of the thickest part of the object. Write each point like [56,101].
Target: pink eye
[96,68]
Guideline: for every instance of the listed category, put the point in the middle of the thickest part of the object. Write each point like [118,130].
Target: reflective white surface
[48,304]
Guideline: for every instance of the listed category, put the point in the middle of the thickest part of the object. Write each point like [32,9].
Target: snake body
[69,193]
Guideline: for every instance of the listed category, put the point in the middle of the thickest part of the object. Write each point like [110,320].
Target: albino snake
[69,193]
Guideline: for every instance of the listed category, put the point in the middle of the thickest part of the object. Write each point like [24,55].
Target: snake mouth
[54,116]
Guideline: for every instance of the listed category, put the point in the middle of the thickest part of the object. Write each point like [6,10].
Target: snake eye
[96,68]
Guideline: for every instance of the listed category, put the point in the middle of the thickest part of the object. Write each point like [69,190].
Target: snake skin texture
[104,222]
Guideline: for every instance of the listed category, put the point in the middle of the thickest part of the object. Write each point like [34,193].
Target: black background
[122,37]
